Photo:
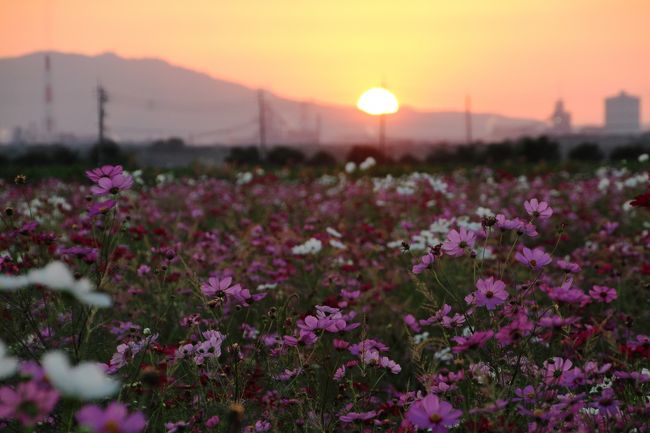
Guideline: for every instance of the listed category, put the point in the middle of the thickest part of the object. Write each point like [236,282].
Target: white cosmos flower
[350,167]
[312,246]
[8,364]
[368,163]
[86,381]
[333,232]
[57,276]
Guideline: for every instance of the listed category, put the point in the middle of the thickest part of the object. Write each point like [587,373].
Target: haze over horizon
[513,58]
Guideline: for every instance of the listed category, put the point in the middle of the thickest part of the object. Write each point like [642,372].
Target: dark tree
[409,159]
[358,154]
[108,152]
[322,159]
[586,152]
[441,155]
[170,144]
[538,149]
[283,156]
[244,156]
[629,152]
[495,152]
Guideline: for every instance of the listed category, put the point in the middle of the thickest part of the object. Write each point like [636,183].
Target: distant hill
[150,98]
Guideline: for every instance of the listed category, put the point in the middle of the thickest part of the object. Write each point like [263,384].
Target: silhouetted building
[622,114]
[560,120]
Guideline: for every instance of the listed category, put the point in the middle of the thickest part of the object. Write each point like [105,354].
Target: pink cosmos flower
[425,262]
[210,347]
[603,294]
[568,266]
[507,224]
[490,293]
[212,421]
[556,370]
[607,404]
[536,259]
[458,241]
[433,413]
[28,403]
[114,419]
[514,331]
[475,340]
[357,416]
[176,427]
[215,285]
[108,171]
[538,209]
[101,207]
[412,323]
[109,179]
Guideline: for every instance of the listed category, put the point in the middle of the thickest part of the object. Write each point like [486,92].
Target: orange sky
[514,57]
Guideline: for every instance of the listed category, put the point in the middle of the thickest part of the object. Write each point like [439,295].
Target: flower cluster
[478,300]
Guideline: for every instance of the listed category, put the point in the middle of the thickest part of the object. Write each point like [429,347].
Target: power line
[151,104]
[226,129]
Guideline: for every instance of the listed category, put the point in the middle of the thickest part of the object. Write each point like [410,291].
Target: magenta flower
[474,341]
[433,413]
[490,293]
[215,285]
[568,266]
[425,262]
[538,209]
[535,259]
[357,416]
[514,331]
[458,241]
[557,370]
[603,294]
[28,403]
[114,419]
[607,404]
[212,421]
[112,185]
[507,224]
[101,207]
[108,171]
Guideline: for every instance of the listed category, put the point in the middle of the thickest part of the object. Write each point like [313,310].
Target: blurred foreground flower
[86,381]
[433,413]
[8,364]
[114,419]
[57,276]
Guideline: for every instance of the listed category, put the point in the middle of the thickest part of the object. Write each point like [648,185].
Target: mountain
[151,98]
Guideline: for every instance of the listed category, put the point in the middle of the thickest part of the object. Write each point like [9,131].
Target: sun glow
[378,101]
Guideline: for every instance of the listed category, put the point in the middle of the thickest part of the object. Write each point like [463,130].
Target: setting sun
[378,101]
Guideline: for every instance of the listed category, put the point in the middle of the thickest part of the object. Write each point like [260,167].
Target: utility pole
[49,100]
[468,119]
[102,99]
[382,135]
[261,103]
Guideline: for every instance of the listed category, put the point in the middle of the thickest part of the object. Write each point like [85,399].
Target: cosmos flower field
[470,301]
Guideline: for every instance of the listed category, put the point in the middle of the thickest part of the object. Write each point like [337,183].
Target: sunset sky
[514,57]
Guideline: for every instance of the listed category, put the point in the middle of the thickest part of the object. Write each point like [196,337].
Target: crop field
[472,300]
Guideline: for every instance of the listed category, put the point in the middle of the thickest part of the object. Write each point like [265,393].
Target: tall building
[622,114]
[560,120]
